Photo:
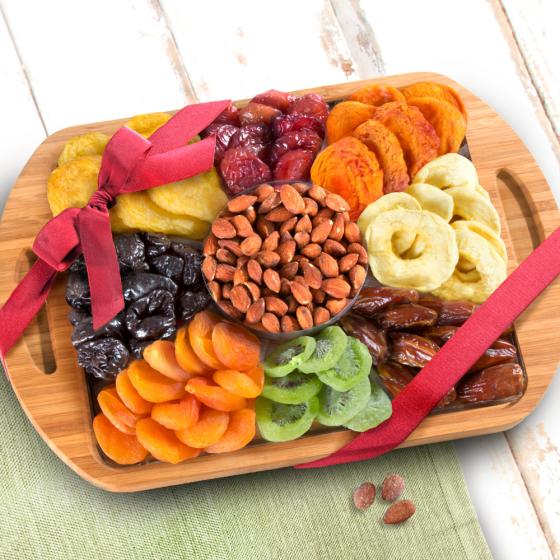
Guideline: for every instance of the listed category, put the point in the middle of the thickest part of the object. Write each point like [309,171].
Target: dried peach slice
[162,443]
[116,412]
[235,346]
[161,356]
[124,449]
[177,415]
[240,432]
[244,384]
[152,385]
[439,91]
[210,427]
[213,395]
[345,117]
[376,94]
[186,358]
[130,396]
[200,336]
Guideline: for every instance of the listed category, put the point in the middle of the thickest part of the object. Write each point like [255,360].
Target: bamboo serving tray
[53,390]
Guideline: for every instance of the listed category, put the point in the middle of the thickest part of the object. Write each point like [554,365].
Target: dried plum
[241,168]
[79,265]
[193,302]
[274,98]
[151,316]
[230,115]
[103,358]
[131,252]
[77,291]
[294,165]
[192,273]
[304,139]
[285,123]
[255,137]
[311,105]
[137,285]
[223,133]
[83,331]
[169,265]
[76,316]
[156,244]
[137,347]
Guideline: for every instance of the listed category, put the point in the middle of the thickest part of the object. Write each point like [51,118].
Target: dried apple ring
[147,123]
[488,273]
[469,205]
[424,273]
[449,170]
[377,94]
[432,199]
[490,236]
[345,117]
[481,190]
[89,144]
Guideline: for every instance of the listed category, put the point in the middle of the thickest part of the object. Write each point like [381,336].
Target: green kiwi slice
[288,356]
[330,344]
[285,422]
[377,410]
[338,407]
[353,365]
[294,388]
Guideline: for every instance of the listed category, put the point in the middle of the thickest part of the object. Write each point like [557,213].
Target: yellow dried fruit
[468,204]
[147,123]
[90,144]
[433,199]
[449,170]
[484,231]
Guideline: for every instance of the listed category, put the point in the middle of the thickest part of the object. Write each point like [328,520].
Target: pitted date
[409,316]
[375,298]
[500,352]
[369,334]
[448,399]
[395,376]
[440,335]
[455,312]
[504,381]
[411,349]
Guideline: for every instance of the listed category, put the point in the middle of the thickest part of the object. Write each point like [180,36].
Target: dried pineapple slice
[200,196]
[449,170]
[433,199]
[90,144]
[468,204]
[147,123]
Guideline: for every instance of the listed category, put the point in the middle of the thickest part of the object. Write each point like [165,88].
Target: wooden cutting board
[53,390]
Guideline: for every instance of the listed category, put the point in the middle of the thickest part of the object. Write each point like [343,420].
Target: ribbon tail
[24,303]
[101,263]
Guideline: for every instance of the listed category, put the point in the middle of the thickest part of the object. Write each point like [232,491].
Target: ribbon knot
[101,199]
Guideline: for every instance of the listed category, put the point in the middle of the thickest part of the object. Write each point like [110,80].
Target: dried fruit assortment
[174,404]
[162,286]
[284,258]
[404,329]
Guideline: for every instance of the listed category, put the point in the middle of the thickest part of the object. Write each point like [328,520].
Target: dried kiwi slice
[338,407]
[285,422]
[294,388]
[330,344]
[353,365]
[288,356]
[377,410]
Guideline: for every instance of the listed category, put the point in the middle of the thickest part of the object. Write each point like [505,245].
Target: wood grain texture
[494,148]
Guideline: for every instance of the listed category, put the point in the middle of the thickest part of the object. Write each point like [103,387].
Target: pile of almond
[285,257]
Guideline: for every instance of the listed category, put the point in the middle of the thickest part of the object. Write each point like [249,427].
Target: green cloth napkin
[48,512]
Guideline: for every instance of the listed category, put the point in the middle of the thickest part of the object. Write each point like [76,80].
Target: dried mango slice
[146,124]
[488,272]
[385,145]
[89,144]
[449,170]
[439,91]
[377,94]
[200,196]
[448,122]
[469,205]
[432,199]
[137,211]
[497,242]
[345,117]
[417,137]
[72,184]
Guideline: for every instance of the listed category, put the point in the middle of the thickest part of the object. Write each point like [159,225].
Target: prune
[257,113]
[138,284]
[152,315]
[83,331]
[294,165]
[156,244]
[192,274]
[103,358]
[369,334]
[286,123]
[312,105]
[274,98]
[77,291]
[254,136]
[79,265]
[241,168]
[223,134]
[76,316]
[304,139]
[193,302]
[137,347]
[131,252]
[230,115]
[169,265]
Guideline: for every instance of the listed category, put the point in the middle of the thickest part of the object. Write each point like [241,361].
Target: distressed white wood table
[65,61]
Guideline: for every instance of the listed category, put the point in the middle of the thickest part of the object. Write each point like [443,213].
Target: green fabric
[48,512]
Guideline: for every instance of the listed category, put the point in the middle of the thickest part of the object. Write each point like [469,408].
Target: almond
[357,275]
[285,236]
[223,229]
[360,250]
[289,270]
[242,225]
[223,255]
[302,238]
[320,233]
[268,259]
[337,231]
[317,193]
[288,225]
[312,276]
[240,276]
[334,248]
[269,203]
[335,306]
[320,315]
[263,227]
[209,265]
[254,270]
[400,511]
[347,262]
[210,245]
[270,322]
[301,292]
[250,214]
[304,317]
[240,298]
[311,207]
[215,289]
[336,288]
[304,224]
[251,245]
[289,324]
[276,305]
[336,203]
[319,296]
[352,232]
[263,191]
[285,287]
[392,487]
[227,307]
[280,214]
[328,265]
[226,290]
[291,199]
[287,251]
[364,495]
[300,187]
[231,245]
[292,304]
[241,203]
[255,311]
[271,242]
[311,251]
[271,279]
[224,272]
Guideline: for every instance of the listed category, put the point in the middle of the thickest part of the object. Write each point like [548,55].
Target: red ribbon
[130,163]
[454,359]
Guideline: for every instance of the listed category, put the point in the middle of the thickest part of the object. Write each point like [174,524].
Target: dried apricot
[130,396]
[345,117]
[152,385]
[439,91]
[210,427]
[177,415]
[200,337]
[235,346]
[162,443]
[213,395]
[244,384]
[240,432]
[186,358]
[161,356]
[116,412]
[376,94]
[122,448]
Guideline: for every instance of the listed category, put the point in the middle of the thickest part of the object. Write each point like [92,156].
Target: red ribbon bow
[130,163]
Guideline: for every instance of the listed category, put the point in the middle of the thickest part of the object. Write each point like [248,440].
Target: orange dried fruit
[210,427]
[213,395]
[385,145]
[345,117]
[200,336]
[162,443]
[235,346]
[116,412]
[350,170]
[416,135]
[244,384]
[130,396]
[377,94]
[240,432]
[448,122]
[439,91]
[122,448]
[186,358]
[161,356]
[177,415]
[152,385]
